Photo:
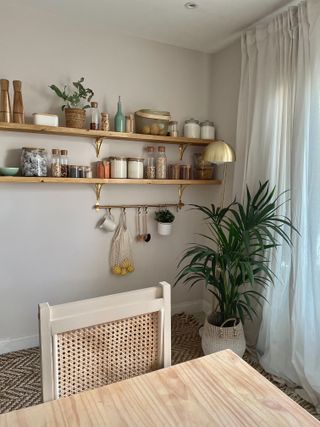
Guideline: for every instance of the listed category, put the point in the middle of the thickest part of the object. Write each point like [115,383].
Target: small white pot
[164,228]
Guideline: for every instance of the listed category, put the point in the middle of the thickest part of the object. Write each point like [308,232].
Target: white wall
[223,105]
[50,249]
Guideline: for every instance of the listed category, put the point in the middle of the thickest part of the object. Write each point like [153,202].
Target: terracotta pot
[75,118]
[164,228]
[217,338]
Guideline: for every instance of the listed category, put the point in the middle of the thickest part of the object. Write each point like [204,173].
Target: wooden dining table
[216,390]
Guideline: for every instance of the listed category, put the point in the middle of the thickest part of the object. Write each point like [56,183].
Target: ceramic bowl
[9,171]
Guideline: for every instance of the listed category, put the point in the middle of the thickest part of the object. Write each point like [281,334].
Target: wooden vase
[18,112]
[5,110]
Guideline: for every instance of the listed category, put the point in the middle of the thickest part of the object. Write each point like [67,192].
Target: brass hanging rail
[141,205]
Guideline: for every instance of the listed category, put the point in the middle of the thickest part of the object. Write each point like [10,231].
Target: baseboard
[187,307]
[15,344]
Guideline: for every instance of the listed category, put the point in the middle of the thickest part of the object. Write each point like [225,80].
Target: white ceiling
[207,28]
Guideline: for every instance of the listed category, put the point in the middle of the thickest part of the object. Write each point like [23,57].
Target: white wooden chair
[91,343]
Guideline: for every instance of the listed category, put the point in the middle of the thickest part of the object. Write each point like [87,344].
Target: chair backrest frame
[62,318]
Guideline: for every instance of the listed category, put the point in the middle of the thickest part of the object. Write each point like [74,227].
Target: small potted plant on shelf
[235,264]
[165,219]
[76,100]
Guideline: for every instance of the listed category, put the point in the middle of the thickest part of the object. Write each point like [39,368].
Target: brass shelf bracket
[180,194]
[182,149]
[98,143]
[98,193]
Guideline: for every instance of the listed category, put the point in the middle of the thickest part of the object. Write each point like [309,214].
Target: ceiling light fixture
[190,5]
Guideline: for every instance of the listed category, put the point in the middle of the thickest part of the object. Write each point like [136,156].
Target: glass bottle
[119,119]
[94,123]
[55,163]
[161,163]
[64,163]
[150,172]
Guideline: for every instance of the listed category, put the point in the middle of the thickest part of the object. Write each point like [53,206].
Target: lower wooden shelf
[52,180]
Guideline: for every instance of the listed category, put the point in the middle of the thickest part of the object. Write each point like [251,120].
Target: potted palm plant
[76,100]
[234,264]
[165,219]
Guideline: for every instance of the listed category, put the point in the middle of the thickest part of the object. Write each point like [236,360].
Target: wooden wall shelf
[98,134]
[48,180]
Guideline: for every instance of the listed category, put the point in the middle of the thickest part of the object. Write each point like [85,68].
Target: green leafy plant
[235,263]
[73,99]
[164,215]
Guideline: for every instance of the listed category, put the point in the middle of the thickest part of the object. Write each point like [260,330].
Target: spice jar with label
[135,168]
[161,163]
[207,130]
[34,162]
[104,123]
[191,128]
[173,128]
[118,167]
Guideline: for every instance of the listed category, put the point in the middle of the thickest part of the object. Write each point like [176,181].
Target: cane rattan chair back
[91,343]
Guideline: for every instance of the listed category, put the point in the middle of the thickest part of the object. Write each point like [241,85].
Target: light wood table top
[216,390]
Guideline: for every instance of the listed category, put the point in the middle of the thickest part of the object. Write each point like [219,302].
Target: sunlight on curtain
[278,138]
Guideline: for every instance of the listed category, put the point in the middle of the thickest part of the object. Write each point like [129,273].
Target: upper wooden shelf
[35,179]
[97,134]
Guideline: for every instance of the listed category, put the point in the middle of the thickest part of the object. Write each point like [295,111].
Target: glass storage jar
[34,162]
[191,128]
[150,172]
[173,128]
[207,130]
[118,167]
[135,168]
[161,163]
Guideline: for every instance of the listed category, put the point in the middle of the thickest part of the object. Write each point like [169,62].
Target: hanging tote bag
[121,257]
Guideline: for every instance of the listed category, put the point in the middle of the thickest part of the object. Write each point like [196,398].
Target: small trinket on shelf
[18,111]
[104,124]
[5,109]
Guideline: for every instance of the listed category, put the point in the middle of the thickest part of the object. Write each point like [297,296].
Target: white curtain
[278,138]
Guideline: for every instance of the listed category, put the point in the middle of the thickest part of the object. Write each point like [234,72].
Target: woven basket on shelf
[75,117]
[217,338]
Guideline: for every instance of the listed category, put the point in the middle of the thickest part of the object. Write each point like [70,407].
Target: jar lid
[192,121]
[38,150]
[94,104]
[118,158]
[206,123]
[161,149]
[64,152]
[104,114]
[173,122]
[55,151]
[138,159]
[153,114]
[150,149]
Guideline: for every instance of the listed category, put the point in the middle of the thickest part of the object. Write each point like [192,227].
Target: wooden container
[5,109]
[18,111]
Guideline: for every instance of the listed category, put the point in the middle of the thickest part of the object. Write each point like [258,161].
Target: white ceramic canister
[207,130]
[135,168]
[118,167]
[191,128]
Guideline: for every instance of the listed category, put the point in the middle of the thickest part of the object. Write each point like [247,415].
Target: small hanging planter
[165,219]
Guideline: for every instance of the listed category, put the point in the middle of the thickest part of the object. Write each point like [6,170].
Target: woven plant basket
[75,117]
[217,338]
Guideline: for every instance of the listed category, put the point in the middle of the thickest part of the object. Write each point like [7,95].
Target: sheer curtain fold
[278,138]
